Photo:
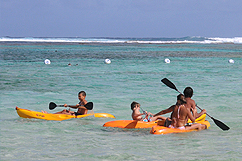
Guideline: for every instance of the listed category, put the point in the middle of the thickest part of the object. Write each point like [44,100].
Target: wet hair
[182,99]
[188,92]
[133,104]
[82,93]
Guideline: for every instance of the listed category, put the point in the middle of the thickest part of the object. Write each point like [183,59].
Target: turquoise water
[133,75]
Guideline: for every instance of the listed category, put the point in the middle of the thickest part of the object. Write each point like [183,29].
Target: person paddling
[188,92]
[136,115]
[81,110]
[190,105]
[181,114]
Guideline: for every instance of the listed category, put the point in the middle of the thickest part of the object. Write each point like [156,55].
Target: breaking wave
[200,40]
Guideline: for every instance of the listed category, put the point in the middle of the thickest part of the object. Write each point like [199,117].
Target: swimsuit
[182,127]
[167,122]
[76,114]
[146,120]
[178,112]
[189,124]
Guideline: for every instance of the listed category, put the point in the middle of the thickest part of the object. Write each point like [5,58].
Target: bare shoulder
[190,101]
[85,102]
[184,108]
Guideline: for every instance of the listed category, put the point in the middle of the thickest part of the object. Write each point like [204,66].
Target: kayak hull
[130,124]
[25,113]
[165,130]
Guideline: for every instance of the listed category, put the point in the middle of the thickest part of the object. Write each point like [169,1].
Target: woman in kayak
[190,105]
[136,115]
[80,106]
[181,114]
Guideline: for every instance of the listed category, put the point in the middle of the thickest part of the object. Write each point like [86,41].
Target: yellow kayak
[199,119]
[25,113]
[142,124]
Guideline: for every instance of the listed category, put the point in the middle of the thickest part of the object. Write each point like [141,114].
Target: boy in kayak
[136,115]
[181,114]
[80,106]
[188,92]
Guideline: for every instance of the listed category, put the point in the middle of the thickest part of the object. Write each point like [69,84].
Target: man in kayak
[188,92]
[136,115]
[181,114]
[80,106]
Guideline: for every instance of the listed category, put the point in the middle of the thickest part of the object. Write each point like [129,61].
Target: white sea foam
[235,40]
[58,40]
[199,40]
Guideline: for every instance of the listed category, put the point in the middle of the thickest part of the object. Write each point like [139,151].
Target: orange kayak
[165,130]
[25,113]
[142,124]
[130,124]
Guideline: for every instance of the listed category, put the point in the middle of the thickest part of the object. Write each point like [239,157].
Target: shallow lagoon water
[133,75]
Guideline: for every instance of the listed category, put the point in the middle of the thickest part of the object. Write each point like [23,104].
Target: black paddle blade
[89,105]
[220,124]
[169,83]
[52,105]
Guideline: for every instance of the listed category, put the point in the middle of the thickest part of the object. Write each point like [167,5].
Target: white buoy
[107,61]
[167,60]
[231,61]
[47,61]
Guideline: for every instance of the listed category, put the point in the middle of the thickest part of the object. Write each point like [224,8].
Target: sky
[121,18]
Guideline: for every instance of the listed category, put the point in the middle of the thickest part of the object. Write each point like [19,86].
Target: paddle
[142,110]
[146,114]
[52,105]
[217,122]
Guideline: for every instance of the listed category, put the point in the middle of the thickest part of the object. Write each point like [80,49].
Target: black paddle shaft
[217,122]
[88,106]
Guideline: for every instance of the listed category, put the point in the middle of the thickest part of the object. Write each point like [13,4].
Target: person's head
[82,95]
[188,92]
[134,105]
[181,99]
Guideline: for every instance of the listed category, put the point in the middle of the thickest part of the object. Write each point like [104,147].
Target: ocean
[134,74]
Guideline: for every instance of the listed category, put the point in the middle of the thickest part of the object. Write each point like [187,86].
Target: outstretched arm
[76,106]
[65,105]
[168,110]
